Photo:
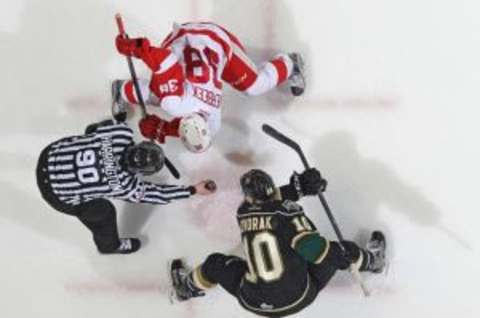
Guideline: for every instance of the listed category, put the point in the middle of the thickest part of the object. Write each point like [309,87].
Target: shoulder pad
[291,206]
[247,207]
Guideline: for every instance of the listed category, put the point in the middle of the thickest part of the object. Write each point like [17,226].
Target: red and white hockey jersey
[192,63]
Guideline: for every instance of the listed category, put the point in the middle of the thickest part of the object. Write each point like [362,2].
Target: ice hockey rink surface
[390,118]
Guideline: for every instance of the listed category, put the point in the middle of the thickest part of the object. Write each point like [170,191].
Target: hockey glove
[151,127]
[137,47]
[310,182]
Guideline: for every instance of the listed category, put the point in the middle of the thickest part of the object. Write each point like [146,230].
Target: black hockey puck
[210,185]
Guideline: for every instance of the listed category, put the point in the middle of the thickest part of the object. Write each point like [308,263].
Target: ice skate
[127,246]
[182,286]
[377,246]
[119,106]
[297,78]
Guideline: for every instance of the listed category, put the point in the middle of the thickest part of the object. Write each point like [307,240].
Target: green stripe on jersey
[311,246]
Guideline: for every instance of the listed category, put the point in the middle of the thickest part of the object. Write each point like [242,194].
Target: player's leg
[99,216]
[241,73]
[296,79]
[227,271]
[372,258]
[369,259]
[125,96]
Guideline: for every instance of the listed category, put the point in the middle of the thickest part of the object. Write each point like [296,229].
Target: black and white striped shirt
[86,167]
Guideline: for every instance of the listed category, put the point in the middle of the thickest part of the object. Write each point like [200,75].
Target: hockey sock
[196,279]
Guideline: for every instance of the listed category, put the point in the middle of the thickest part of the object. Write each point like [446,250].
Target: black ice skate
[297,78]
[119,106]
[377,246]
[182,285]
[127,246]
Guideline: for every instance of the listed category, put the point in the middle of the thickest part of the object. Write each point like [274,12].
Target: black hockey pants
[228,272]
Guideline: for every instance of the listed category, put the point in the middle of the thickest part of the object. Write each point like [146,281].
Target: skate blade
[172,297]
[172,294]
[386,270]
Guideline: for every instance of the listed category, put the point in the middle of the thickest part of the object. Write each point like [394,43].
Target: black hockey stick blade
[172,168]
[275,134]
[272,132]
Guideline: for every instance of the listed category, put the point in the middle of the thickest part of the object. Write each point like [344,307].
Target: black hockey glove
[310,182]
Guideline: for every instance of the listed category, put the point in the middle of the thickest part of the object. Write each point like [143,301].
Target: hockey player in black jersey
[77,175]
[287,261]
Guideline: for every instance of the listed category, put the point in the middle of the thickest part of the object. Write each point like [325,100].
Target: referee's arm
[147,192]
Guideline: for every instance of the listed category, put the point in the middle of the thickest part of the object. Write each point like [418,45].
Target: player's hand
[310,182]
[151,127]
[205,187]
[131,47]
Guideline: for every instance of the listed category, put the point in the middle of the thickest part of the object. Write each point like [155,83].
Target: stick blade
[272,132]
[275,134]
[269,130]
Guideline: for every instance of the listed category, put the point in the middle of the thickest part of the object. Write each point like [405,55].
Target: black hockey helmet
[258,185]
[146,158]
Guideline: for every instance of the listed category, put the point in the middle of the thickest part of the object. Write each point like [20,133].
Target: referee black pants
[98,215]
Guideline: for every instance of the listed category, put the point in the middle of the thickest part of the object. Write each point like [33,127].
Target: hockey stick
[131,67]
[275,134]
[133,74]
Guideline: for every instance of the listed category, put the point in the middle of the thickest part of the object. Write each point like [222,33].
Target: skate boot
[183,287]
[297,78]
[127,246]
[377,246]
[119,106]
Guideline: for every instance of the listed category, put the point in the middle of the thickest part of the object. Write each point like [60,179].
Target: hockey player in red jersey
[188,72]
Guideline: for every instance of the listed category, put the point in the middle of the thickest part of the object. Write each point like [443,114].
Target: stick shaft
[131,67]
[272,132]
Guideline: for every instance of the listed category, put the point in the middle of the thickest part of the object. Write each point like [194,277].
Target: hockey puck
[210,185]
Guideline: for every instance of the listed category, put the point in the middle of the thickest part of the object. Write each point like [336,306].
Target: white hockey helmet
[194,133]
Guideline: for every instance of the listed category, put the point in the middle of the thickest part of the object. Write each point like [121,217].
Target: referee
[77,175]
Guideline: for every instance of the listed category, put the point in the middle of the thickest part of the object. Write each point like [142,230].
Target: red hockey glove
[151,127]
[132,47]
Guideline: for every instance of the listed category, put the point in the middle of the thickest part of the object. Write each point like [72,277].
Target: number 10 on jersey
[263,257]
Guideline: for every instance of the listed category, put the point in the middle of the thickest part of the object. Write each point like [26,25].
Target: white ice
[390,118]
